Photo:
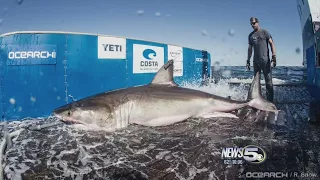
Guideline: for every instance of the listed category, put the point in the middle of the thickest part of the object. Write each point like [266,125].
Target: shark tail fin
[255,98]
[255,88]
[164,75]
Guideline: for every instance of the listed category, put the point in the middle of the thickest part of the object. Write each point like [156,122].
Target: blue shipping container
[44,70]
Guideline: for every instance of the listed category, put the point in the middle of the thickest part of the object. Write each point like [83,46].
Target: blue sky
[201,24]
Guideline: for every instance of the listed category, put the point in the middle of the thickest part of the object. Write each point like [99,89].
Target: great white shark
[159,103]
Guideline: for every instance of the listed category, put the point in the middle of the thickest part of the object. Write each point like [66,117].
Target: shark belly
[161,112]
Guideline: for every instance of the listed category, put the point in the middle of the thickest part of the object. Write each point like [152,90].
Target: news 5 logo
[251,153]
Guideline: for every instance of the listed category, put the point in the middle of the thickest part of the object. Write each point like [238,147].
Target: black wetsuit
[261,60]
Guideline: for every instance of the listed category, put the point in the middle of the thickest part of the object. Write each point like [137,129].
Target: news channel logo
[239,155]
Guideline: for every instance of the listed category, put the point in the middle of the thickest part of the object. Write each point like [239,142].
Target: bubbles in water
[33,99]
[55,89]
[12,101]
[168,15]
[140,12]
[226,73]
[58,97]
[1,22]
[20,109]
[19,2]
[41,73]
[298,50]
[204,32]
[157,14]
[231,32]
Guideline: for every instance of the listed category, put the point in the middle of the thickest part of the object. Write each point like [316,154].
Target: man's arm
[249,52]
[269,38]
[249,56]
[249,48]
[273,49]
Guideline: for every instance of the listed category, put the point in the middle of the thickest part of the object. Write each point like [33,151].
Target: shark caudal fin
[255,88]
[255,98]
[164,75]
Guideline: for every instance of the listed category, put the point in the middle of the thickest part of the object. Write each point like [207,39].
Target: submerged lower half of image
[256,145]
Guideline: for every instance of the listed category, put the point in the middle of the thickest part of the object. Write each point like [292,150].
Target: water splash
[221,88]
[12,101]
[204,32]
[216,66]
[140,12]
[289,72]
[19,2]
[231,32]
[157,14]
[226,74]
[33,99]
[298,50]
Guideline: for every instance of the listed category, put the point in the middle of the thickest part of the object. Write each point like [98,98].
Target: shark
[159,103]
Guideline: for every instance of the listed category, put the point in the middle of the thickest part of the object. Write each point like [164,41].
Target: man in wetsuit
[258,40]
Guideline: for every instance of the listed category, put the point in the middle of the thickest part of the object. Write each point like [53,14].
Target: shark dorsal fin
[164,75]
[255,88]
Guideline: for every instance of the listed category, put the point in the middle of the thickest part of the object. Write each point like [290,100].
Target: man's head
[254,23]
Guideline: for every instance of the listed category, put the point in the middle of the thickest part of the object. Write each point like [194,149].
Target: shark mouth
[68,119]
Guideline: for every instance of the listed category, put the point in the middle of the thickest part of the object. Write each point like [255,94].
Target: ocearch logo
[31,54]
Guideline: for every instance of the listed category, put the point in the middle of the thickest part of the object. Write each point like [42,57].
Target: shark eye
[69,113]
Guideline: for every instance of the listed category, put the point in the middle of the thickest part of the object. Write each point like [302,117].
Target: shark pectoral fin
[163,121]
[218,114]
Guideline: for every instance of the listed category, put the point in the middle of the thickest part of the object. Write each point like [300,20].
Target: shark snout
[59,117]
[66,118]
